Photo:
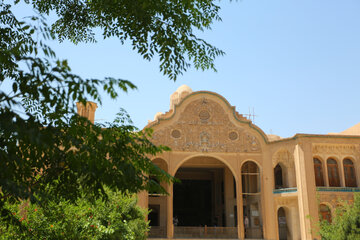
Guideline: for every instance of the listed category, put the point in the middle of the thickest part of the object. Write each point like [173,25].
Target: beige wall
[203,130]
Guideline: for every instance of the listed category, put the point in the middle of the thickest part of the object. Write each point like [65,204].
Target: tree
[46,149]
[153,27]
[44,142]
[345,224]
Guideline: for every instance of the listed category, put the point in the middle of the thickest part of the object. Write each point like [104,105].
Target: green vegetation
[51,158]
[345,224]
[118,218]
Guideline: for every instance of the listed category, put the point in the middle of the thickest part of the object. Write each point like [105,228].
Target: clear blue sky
[297,63]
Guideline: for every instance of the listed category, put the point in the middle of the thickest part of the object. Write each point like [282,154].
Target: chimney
[87,111]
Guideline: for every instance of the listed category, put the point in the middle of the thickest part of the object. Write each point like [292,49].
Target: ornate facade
[237,182]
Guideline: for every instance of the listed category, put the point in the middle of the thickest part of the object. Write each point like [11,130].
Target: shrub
[116,218]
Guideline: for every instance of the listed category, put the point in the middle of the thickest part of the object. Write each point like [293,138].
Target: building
[238,182]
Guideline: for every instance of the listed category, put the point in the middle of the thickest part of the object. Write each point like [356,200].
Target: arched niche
[251,196]
[325,212]
[278,177]
[319,172]
[283,163]
[349,173]
[333,172]
[282,224]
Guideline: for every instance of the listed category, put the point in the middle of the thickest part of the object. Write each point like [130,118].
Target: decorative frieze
[205,126]
[336,149]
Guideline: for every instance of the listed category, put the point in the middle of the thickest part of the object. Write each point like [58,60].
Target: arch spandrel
[205,122]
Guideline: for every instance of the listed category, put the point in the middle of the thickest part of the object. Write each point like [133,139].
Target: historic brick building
[238,182]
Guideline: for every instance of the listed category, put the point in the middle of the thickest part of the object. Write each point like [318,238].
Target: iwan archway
[204,201]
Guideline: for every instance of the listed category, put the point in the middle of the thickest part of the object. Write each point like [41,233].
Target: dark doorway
[278,177]
[192,202]
[282,226]
[154,215]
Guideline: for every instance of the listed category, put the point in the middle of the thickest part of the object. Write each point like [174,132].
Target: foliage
[119,218]
[154,27]
[46,149]
[345,224]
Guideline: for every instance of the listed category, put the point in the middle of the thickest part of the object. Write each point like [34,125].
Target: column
[294,223]
[239,204]
[341,173]
[143,200]
[229,198]
[326,172]
[170,225]
[305,178]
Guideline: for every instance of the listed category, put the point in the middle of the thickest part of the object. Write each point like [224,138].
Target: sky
[296,63]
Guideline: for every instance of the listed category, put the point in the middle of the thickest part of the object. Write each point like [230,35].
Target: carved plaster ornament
[205,126]
[175,133]
[283,156]
[338,149]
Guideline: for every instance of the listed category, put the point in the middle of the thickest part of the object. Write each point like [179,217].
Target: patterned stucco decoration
[283,156]
[204,126]
[338,149]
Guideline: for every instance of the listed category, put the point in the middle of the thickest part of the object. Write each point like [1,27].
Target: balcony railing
[157,232]
[285,190]
[205,232]
[337,189]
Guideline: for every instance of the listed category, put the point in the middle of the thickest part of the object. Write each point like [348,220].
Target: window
[333,173]
[319,177]
[278,177]
[250,178]
[349,172]
[325,213]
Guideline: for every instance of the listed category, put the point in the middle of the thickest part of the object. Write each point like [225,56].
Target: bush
[345,224]
[117,218]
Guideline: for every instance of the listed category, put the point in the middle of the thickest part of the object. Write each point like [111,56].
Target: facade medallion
[204,115]
[233,135]
[175,133]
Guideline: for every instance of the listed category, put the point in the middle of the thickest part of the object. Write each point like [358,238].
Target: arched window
[282,226]
[250,178]
[319,177]
[333,173]
[252,216]
[349,172]
[278,175]
[325,213]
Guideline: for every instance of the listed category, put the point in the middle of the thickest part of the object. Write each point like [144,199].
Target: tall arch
[283,162]
[333,172]
[278,177]
[349,173]
[251,196]
[319,175]
[204,202]
[282,224]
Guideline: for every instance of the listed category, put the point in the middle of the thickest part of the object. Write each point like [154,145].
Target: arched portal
[282,224]
[250,178]
[204,201]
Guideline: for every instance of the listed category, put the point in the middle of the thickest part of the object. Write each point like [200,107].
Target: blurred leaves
[153,27]
[46,149]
